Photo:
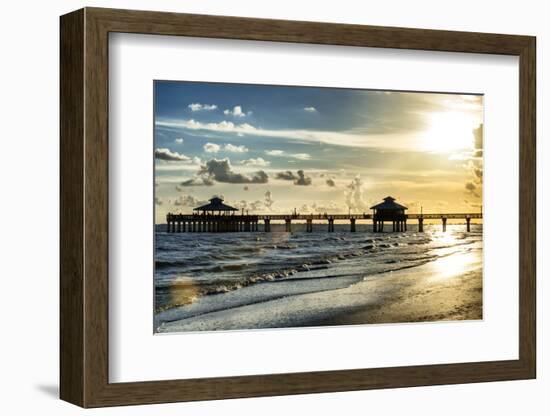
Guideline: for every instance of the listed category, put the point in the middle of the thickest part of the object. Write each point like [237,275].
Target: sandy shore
[449,288]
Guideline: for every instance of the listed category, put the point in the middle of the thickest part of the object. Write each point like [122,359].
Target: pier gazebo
[216,205]
[389,210]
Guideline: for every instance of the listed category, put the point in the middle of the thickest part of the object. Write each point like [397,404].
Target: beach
[279,280]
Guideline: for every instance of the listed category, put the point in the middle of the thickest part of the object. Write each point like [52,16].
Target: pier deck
[249,223]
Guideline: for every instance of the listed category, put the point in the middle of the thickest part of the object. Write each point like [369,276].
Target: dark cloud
[302,179]
[287,176]
[221,171]
[299,178]
[167,154]
[331,183]
[478,172]
[472,189]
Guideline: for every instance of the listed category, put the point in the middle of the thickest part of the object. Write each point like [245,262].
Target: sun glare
[449,132]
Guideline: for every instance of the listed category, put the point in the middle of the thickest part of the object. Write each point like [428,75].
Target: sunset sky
[273,148]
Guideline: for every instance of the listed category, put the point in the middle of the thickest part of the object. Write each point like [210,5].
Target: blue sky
[275,148]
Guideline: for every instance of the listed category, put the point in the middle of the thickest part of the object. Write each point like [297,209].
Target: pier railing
[248,223]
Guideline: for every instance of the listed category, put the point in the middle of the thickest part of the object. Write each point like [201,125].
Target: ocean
[252,280]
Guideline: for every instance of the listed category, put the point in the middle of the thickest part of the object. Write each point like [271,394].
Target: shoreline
[447,289]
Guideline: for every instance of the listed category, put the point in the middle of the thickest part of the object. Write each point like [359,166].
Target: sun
[448,132]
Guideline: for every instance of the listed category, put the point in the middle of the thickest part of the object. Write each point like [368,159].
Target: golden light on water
[183,291]
[452,264]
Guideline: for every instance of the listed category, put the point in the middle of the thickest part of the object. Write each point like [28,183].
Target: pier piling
[288,225]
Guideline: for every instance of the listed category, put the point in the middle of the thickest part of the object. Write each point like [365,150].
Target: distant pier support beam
[373,226]
[179,226]
[309,225]
[288,225]
[267,225]
[331,225]
[444,221]
[405,225]
[468,224]
[421,225]
[352,225]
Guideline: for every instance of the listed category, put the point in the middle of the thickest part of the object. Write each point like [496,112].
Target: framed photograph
[262,207]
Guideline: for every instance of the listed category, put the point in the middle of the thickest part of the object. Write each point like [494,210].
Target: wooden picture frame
[84,207]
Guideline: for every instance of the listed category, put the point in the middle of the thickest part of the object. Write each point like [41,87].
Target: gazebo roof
[389,204]
[216,204]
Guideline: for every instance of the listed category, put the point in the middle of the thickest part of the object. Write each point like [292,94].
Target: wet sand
[448,290]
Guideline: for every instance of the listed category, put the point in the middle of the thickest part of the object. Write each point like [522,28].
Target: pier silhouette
[217,217]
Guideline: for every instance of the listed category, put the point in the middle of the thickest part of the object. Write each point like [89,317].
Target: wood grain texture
[71,217]
[84,204]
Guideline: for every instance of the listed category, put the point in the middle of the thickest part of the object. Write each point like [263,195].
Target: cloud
[478,141]
[280,153]
[299,178]
[179,140]
[475,165]
[211,148]
[354,195]
[255,162]
[221,171]
[352,138]
[330,207]
[472,189]
[202,107]
[402,128]
[235,149]
[302,179]
[331,183]
[268,200]
[166,154]
[236,112]
[189,201]
[158,200]
[310,109]
[286,176]
[198,181]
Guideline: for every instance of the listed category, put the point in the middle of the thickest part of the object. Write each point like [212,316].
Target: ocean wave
[225,263]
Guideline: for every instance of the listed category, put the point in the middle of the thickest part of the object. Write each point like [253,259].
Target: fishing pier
[217,217]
